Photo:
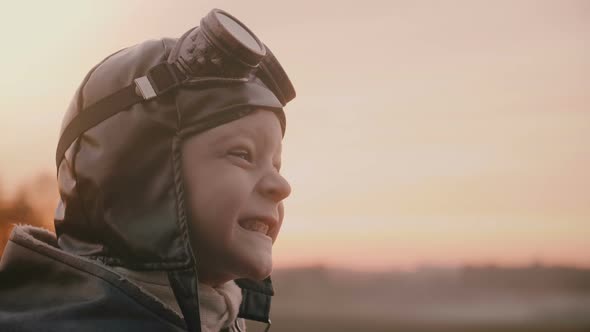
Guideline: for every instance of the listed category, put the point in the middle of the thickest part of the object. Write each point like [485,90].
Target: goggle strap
[159,80]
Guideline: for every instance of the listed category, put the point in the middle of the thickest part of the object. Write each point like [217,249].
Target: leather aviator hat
[119,155]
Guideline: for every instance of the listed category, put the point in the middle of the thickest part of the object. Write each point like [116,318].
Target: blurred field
[292,324]
[31,203]
[478,299]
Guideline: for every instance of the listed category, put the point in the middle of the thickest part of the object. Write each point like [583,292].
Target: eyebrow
[225,137]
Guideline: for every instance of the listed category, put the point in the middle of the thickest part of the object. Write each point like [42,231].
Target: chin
[259,269]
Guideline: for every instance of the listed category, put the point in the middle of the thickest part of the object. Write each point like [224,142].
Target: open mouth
[255,225]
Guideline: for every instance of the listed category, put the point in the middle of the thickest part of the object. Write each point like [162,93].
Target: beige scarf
[218,305]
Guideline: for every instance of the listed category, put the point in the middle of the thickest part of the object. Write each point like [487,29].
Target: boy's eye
[242,154]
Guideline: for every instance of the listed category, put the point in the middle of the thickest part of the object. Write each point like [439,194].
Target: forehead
[261,126]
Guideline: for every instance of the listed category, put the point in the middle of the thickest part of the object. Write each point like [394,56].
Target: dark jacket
[43,288]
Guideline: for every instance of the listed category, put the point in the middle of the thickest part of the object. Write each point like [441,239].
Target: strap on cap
[160,79]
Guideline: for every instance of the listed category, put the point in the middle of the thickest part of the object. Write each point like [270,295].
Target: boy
[171,197]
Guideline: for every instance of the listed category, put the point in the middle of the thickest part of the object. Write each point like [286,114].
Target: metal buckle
[144,87]
[159,79]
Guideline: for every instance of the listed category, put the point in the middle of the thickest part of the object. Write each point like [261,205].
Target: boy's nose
[275,186]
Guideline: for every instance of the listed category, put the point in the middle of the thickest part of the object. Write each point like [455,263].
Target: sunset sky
[424,132]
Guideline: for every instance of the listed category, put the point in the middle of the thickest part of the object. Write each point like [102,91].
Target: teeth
[255,226]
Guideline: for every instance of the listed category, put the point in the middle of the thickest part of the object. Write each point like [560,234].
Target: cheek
[217,196]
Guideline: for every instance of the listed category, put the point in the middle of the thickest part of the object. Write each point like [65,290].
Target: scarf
[218,305]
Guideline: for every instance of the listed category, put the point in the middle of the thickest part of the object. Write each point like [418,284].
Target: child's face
[235,195]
